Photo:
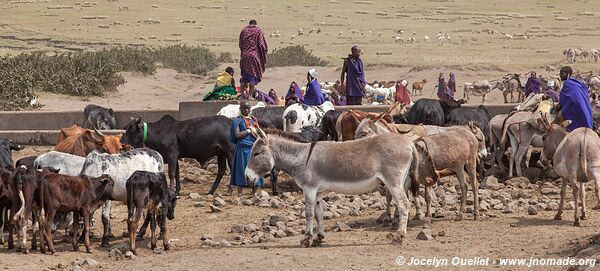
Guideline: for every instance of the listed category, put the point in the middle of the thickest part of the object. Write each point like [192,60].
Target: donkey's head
[481,148]
[261,159]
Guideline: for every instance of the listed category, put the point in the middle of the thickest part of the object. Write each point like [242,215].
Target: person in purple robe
[263,97]
[353,77]
[444,92]
[533,85]
[574,101]
[294,94]
[550,91]
[452,83]
[337,99]
[313,95]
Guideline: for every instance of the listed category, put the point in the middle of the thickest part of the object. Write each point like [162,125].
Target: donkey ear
[565,124]
[262,133]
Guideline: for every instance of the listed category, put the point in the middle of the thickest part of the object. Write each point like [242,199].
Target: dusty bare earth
[505,231]
[472,54]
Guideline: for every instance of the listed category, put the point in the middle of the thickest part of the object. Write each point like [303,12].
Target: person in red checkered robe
[253,57]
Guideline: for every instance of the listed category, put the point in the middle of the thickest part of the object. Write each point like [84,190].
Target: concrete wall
[39,120]
[41,128]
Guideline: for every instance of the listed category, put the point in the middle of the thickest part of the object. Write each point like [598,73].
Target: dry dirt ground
[497,235]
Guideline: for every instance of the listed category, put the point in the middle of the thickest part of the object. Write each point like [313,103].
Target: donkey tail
[582,173]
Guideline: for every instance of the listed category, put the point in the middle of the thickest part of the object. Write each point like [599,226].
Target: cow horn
[98,132]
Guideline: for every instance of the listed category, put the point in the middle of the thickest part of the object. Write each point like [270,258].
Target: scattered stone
[276,218]
[540,206]
[250,228]
[225,243]
[122,247]
[550,191]
[532,210]
[116,254]
[290,232]
[341,226]
[219,202]
[129,255]
[280,225]
[90,262]
[200,204]
[263,194]
[207,236]
[237,228]
[439,213]
[255,239]
[425,235]
[236,201]
[441,233]
[520,182]
[570,206]
[207,243]
[280,234]
[275,204]
[490,182]
[194,196]
[327,215]
[158,250]
[214,209]
[248,202]
[552,206]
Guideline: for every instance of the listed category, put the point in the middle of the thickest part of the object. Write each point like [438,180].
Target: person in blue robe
[313,95]
[574,101]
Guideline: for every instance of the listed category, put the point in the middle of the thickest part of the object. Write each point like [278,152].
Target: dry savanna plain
[411,40]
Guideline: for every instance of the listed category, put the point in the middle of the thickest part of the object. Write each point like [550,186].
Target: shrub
[292,56]
[226,57]
[129,58]
[183,58]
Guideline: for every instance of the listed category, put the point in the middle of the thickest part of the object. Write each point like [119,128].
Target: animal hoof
[584,217]
[89,250]
[395,238]
[318,241]
[306,242]
[557,217]
[167,247]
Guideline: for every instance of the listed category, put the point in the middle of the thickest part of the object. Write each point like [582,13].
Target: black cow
[449,105]
[269,117]
[311,134]
[6,148]
[26,161]
[328,124]
[5,199]
[199,138]
[149,190]
[99,118]
[479,116]
[425,111]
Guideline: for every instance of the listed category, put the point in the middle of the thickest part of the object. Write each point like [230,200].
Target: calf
[81,195]
[150,190]
[98,117]
[120,167]
[26,161]
[5,199]
[297,116]
[25,208]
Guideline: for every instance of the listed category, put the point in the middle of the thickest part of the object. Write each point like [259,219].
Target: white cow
[68,164]
[120,167]
[233,110]
[298,116]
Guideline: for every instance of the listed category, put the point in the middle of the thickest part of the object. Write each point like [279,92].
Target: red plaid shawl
[254,51]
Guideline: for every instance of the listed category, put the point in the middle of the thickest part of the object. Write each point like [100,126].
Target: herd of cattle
[88,168]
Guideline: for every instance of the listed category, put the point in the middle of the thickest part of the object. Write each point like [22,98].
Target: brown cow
[348,121]
[25,201]
[418,86]
[80,141]
[81,195]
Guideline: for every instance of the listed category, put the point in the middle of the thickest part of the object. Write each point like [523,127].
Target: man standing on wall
[253,57]
[355,83]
